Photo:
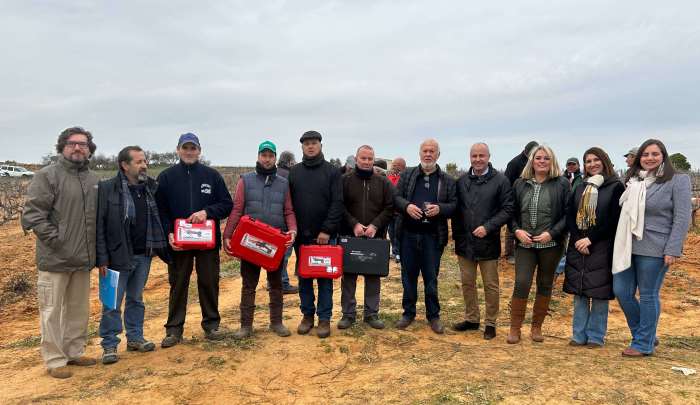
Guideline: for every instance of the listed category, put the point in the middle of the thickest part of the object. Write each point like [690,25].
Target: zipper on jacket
[189,178]
[364,200]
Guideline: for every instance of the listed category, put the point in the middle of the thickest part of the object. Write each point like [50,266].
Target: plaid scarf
[155,237]
[585,216]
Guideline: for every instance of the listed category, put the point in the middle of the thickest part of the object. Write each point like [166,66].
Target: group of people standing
[622,236]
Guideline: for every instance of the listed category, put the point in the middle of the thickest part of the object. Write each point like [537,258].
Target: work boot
[170,341]
[465,325]
[82,362]
[306,324]
[517,314]
[60,372]
[489,332]
[404,322]
[324,329]
[346,322]
[140,346]
[216,334]
[539,311]
[280,330]
[437,326]
[110,356]
[245,331]
[374,322]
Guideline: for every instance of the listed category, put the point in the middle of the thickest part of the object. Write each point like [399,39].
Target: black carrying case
[365,256]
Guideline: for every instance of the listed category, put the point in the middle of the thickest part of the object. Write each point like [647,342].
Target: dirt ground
[360,365]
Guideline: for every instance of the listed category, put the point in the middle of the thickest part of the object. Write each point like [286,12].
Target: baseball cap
[634,151]
[188,138]
[267,145]
[572,160]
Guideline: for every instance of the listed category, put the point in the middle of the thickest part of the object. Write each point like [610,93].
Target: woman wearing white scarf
[591,218]
[650,234]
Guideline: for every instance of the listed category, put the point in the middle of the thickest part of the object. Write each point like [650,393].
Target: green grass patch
[28,342]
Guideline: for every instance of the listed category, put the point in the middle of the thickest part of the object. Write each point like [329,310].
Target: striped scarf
[585,216]
[155,236]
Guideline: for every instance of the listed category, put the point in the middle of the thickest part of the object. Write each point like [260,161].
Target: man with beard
[195,192]
[426,198]
[368,198]
[264,196]
[60,209]
[129,234]
[317,197]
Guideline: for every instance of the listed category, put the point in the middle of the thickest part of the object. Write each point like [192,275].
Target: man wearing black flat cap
[317,197]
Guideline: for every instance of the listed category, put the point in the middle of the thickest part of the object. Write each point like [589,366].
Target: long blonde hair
[554,170]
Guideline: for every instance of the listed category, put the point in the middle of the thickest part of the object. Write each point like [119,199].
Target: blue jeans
[283,270]
[647,276]
[131,283]
[393,237]
[590,321]
[307,297]
[420,253]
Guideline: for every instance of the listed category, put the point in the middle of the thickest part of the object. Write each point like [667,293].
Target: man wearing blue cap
[195,192]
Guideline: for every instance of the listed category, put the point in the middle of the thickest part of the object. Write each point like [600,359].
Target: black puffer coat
[481,200]
[591,275]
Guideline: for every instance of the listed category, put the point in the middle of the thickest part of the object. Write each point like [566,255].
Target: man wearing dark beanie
[317,197]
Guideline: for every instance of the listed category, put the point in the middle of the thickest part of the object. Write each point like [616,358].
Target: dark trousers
[527,260]
[348,302]
[250,274]
[420,254]
[307,298]
[393,237]
[206,263]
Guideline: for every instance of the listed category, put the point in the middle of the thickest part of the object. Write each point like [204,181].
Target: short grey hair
[430,141]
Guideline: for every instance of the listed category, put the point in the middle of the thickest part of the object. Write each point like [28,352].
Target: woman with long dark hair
[650,234]
[591,219]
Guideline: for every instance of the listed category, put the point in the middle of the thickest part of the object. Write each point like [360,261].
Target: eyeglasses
[76,144]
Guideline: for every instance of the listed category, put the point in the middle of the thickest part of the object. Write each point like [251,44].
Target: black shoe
[403,323]
[465,325]
[109,356]
[345,322]
[170,341]
[437,326]
[290,290]
[374,322]
[489,332]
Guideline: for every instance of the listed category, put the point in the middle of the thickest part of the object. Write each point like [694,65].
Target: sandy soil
[360,365]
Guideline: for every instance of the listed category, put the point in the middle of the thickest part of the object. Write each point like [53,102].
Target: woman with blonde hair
[539,225]
[591,219]
[650,234]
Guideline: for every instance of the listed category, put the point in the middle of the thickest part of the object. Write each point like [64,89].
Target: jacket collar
[72,166]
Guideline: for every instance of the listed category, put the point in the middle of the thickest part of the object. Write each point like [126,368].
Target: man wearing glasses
[61,210]
[425,198]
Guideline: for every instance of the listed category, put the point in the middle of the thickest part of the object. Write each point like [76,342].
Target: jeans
[131,284]
[283,270]
[393,237]
[590,321]
[647,276]
[420,254]
[307,298]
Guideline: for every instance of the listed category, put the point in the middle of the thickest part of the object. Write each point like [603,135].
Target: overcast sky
[572,74]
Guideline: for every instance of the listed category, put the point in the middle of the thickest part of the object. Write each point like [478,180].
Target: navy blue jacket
[185,189]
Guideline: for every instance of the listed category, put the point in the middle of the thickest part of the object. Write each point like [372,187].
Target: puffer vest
[264,198]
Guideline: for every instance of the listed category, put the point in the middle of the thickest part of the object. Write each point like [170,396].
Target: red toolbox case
[195,236]
[258,243]
[320,261]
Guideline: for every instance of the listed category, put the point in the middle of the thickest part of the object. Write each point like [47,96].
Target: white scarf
[631,223]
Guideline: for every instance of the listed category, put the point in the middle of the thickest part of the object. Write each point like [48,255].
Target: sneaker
[140,346]
[465,325]
[374,322]
[346,322]
[109,356]
[290,290]
[242,333]
[403,323]
[398,259]
[280,330]
[489,332]
[82,362]
[437,326]
[216,334]
[60,372]
[170,341]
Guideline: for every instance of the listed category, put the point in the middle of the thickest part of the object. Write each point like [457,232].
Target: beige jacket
[61,210]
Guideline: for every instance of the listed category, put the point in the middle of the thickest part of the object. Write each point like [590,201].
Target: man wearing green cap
[262,195]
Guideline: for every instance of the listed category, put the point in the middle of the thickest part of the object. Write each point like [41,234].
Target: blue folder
[108,288]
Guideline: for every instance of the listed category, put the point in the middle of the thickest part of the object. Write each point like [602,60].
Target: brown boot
[539,311]
[324,329]
[517,314]
[60,372]
[306,324]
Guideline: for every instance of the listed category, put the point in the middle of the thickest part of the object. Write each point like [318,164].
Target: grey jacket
[666,218]
[61,209]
